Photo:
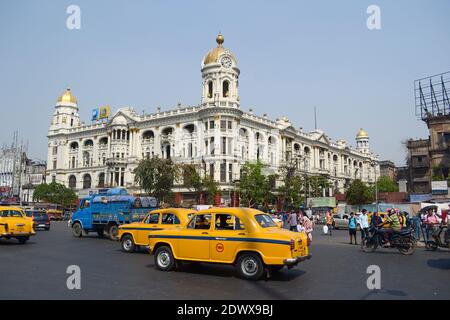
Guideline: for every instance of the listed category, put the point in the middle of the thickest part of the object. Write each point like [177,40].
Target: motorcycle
[404,241]
[436,240]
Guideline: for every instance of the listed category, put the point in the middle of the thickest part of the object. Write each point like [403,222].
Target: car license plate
[41,225]
[19,229]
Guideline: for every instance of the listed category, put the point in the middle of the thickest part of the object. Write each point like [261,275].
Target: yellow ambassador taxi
[14,223]
[246,238]
[134,235]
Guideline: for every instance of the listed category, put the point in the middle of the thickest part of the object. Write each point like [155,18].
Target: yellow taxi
[134,235]
[246,238]
[14,223]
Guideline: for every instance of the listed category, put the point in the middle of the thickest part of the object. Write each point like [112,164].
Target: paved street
[37,270]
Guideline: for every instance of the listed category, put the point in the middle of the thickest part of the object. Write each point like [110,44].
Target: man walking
[364,224]
[293,221]
[329,221]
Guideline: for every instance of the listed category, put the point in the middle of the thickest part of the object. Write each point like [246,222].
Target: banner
[439,187]
[100,113]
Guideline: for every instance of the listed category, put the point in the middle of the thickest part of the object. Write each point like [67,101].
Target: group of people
[393,222]
[298,221]
[430,221]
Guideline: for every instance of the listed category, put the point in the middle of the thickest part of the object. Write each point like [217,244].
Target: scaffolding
[431,96]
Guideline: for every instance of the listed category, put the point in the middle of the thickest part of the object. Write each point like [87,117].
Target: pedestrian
[431,222]
[329,221]
[307,227]
[293,221]
[364,224]
[352,227]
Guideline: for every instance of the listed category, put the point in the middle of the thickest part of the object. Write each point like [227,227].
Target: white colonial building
[217,135]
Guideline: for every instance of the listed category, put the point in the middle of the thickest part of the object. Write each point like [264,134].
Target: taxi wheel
[77,231]
[164,259]
[250,266]
[128,243]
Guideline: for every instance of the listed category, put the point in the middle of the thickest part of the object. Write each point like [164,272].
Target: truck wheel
[22,240]
[77,231]
[164,259]
[128,243]
[113,232]
[250,266]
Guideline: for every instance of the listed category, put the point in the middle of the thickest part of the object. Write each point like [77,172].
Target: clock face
[226,62]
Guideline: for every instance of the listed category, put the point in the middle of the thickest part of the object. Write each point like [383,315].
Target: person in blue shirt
[352,223]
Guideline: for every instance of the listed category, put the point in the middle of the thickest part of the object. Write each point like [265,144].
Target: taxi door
[228,233]
[151,223]
[194,244]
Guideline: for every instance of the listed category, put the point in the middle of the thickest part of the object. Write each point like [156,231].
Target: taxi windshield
[265,220]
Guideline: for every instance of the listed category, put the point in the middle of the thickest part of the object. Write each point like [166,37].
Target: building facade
[418,166]
[388,169]
[217,135]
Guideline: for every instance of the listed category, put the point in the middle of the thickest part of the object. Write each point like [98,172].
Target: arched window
[72,182]
[88,143]
[87,181]
[148,135]
[103,141]
[101,180]
[74,146]
[210,89]
[226,89]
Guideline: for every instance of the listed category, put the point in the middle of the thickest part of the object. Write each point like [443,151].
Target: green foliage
[157,177]
[54,193]
[437,174]
[317,184]
[293,187]
[386,184]
[359,193]
[254,186]
[193,180]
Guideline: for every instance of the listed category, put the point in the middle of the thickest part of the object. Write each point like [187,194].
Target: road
[37,270]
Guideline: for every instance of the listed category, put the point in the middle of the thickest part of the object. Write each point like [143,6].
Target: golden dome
[213,55]
[362,134]
[67,97]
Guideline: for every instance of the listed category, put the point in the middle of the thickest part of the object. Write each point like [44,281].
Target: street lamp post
[376,184]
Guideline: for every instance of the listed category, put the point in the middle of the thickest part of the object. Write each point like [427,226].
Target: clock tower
[220,75]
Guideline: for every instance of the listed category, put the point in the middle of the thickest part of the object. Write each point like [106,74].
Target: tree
[157,177]
[359,193]
[386,184]
[54,193]
[193,180]
[317,184]
[254,186]
[292,189]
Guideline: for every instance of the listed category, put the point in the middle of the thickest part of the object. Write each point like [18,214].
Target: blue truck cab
[104,212]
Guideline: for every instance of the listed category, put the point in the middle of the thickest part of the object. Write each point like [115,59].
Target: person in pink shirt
[431,222]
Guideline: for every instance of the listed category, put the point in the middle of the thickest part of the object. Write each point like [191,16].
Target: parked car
[340,221]
[135,235]
[246,238]
[15,224]
[40,218]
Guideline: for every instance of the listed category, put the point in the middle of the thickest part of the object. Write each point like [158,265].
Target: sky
[293,56]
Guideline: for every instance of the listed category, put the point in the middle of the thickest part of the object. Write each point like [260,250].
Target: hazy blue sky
[293,55]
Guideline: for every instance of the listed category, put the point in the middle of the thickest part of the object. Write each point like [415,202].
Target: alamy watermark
[374,280]
[374,20]
[74,280]
[73,21]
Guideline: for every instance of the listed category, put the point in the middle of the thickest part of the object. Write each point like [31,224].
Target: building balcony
[116,161]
